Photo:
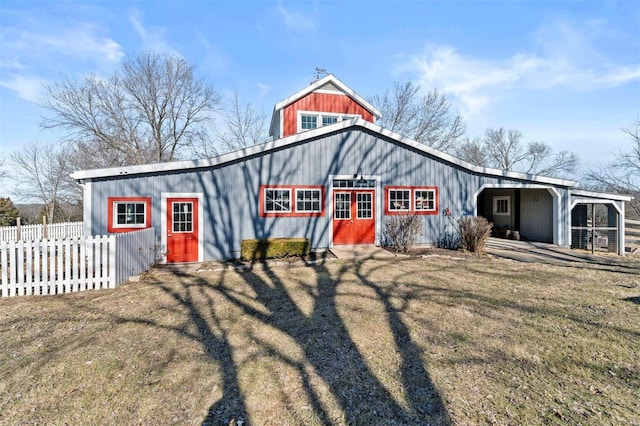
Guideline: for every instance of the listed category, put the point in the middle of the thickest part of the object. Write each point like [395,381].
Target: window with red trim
[128,214]
[291,200]
[422,200]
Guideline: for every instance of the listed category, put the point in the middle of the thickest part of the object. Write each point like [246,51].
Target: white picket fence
[38,231]
[57,266]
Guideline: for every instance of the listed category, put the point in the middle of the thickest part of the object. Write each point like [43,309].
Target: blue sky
[563,72]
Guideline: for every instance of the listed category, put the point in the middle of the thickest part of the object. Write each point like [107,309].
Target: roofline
[310,134]
[318,83]
[592,194]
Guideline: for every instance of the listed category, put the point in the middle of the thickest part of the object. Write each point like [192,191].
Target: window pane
[342,206]
[399,199]
[424,200]
[308,122]
[329,120]
[365,206]
[130,213]
[277,200]
[182,217]
[308,200]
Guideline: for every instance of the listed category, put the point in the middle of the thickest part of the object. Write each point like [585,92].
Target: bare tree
[241,125]
[40,174]
[3,171]
[472,151]
[150,109]
[504,149]
[623,175]
[426,118]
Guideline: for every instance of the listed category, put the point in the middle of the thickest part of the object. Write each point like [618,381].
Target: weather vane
[320,72]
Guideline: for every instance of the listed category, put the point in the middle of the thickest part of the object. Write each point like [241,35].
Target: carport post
[593,227]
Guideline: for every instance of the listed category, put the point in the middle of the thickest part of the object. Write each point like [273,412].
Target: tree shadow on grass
[332,354]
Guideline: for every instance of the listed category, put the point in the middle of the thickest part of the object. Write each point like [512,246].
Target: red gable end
[322,102]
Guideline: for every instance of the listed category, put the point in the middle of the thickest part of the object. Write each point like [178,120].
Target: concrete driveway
[532,252]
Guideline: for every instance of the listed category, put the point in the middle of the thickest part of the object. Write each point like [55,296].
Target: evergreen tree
[58,214]
[8,212]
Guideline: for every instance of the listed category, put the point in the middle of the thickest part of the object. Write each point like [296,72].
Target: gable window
[308,122]
[308,200]
[277,200]
[128,213]
[419,200]
[329,119]
[502,205]
[291,200]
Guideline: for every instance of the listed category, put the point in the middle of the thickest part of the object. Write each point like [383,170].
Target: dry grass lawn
[432,340]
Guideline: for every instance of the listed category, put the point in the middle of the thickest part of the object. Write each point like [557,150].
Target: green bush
[474,233]
[271,248]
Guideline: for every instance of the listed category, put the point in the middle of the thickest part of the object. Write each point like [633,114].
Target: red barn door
[182,230]
[354,217]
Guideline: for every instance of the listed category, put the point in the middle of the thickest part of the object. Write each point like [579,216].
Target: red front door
[182,230]
[354,217]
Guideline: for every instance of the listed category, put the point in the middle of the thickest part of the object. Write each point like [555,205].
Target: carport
[522,213]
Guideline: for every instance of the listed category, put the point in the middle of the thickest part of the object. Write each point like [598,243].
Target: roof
[302,137]
[315,86]
[600,195]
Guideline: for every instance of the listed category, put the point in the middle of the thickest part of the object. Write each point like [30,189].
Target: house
[332,175]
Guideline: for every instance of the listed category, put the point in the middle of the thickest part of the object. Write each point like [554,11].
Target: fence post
[45,231]
[18,228]
[113,269]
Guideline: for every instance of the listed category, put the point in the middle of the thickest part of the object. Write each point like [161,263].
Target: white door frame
[163,220]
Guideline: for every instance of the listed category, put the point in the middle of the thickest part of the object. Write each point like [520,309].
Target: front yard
[432,340]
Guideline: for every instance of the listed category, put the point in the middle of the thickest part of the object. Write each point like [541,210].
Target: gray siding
[536,211]
[231,191]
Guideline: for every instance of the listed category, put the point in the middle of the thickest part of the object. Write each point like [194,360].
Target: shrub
[474,232]
[400,232]
[270,248]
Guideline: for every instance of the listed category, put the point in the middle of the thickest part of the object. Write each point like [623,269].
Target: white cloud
[31,56]
[214,57]
[565,58]
[153,37]
[296,21]
[28,88]
[263,89]
[82,41]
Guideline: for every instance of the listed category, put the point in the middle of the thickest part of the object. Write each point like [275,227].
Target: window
[399,200]
[424,200]
[277,200]
[342,205]
[501,206]
[420,200]
[308,200]
[365,205]
[183,217]
[308,122]
[291,200]
[128,213]
[329,119]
